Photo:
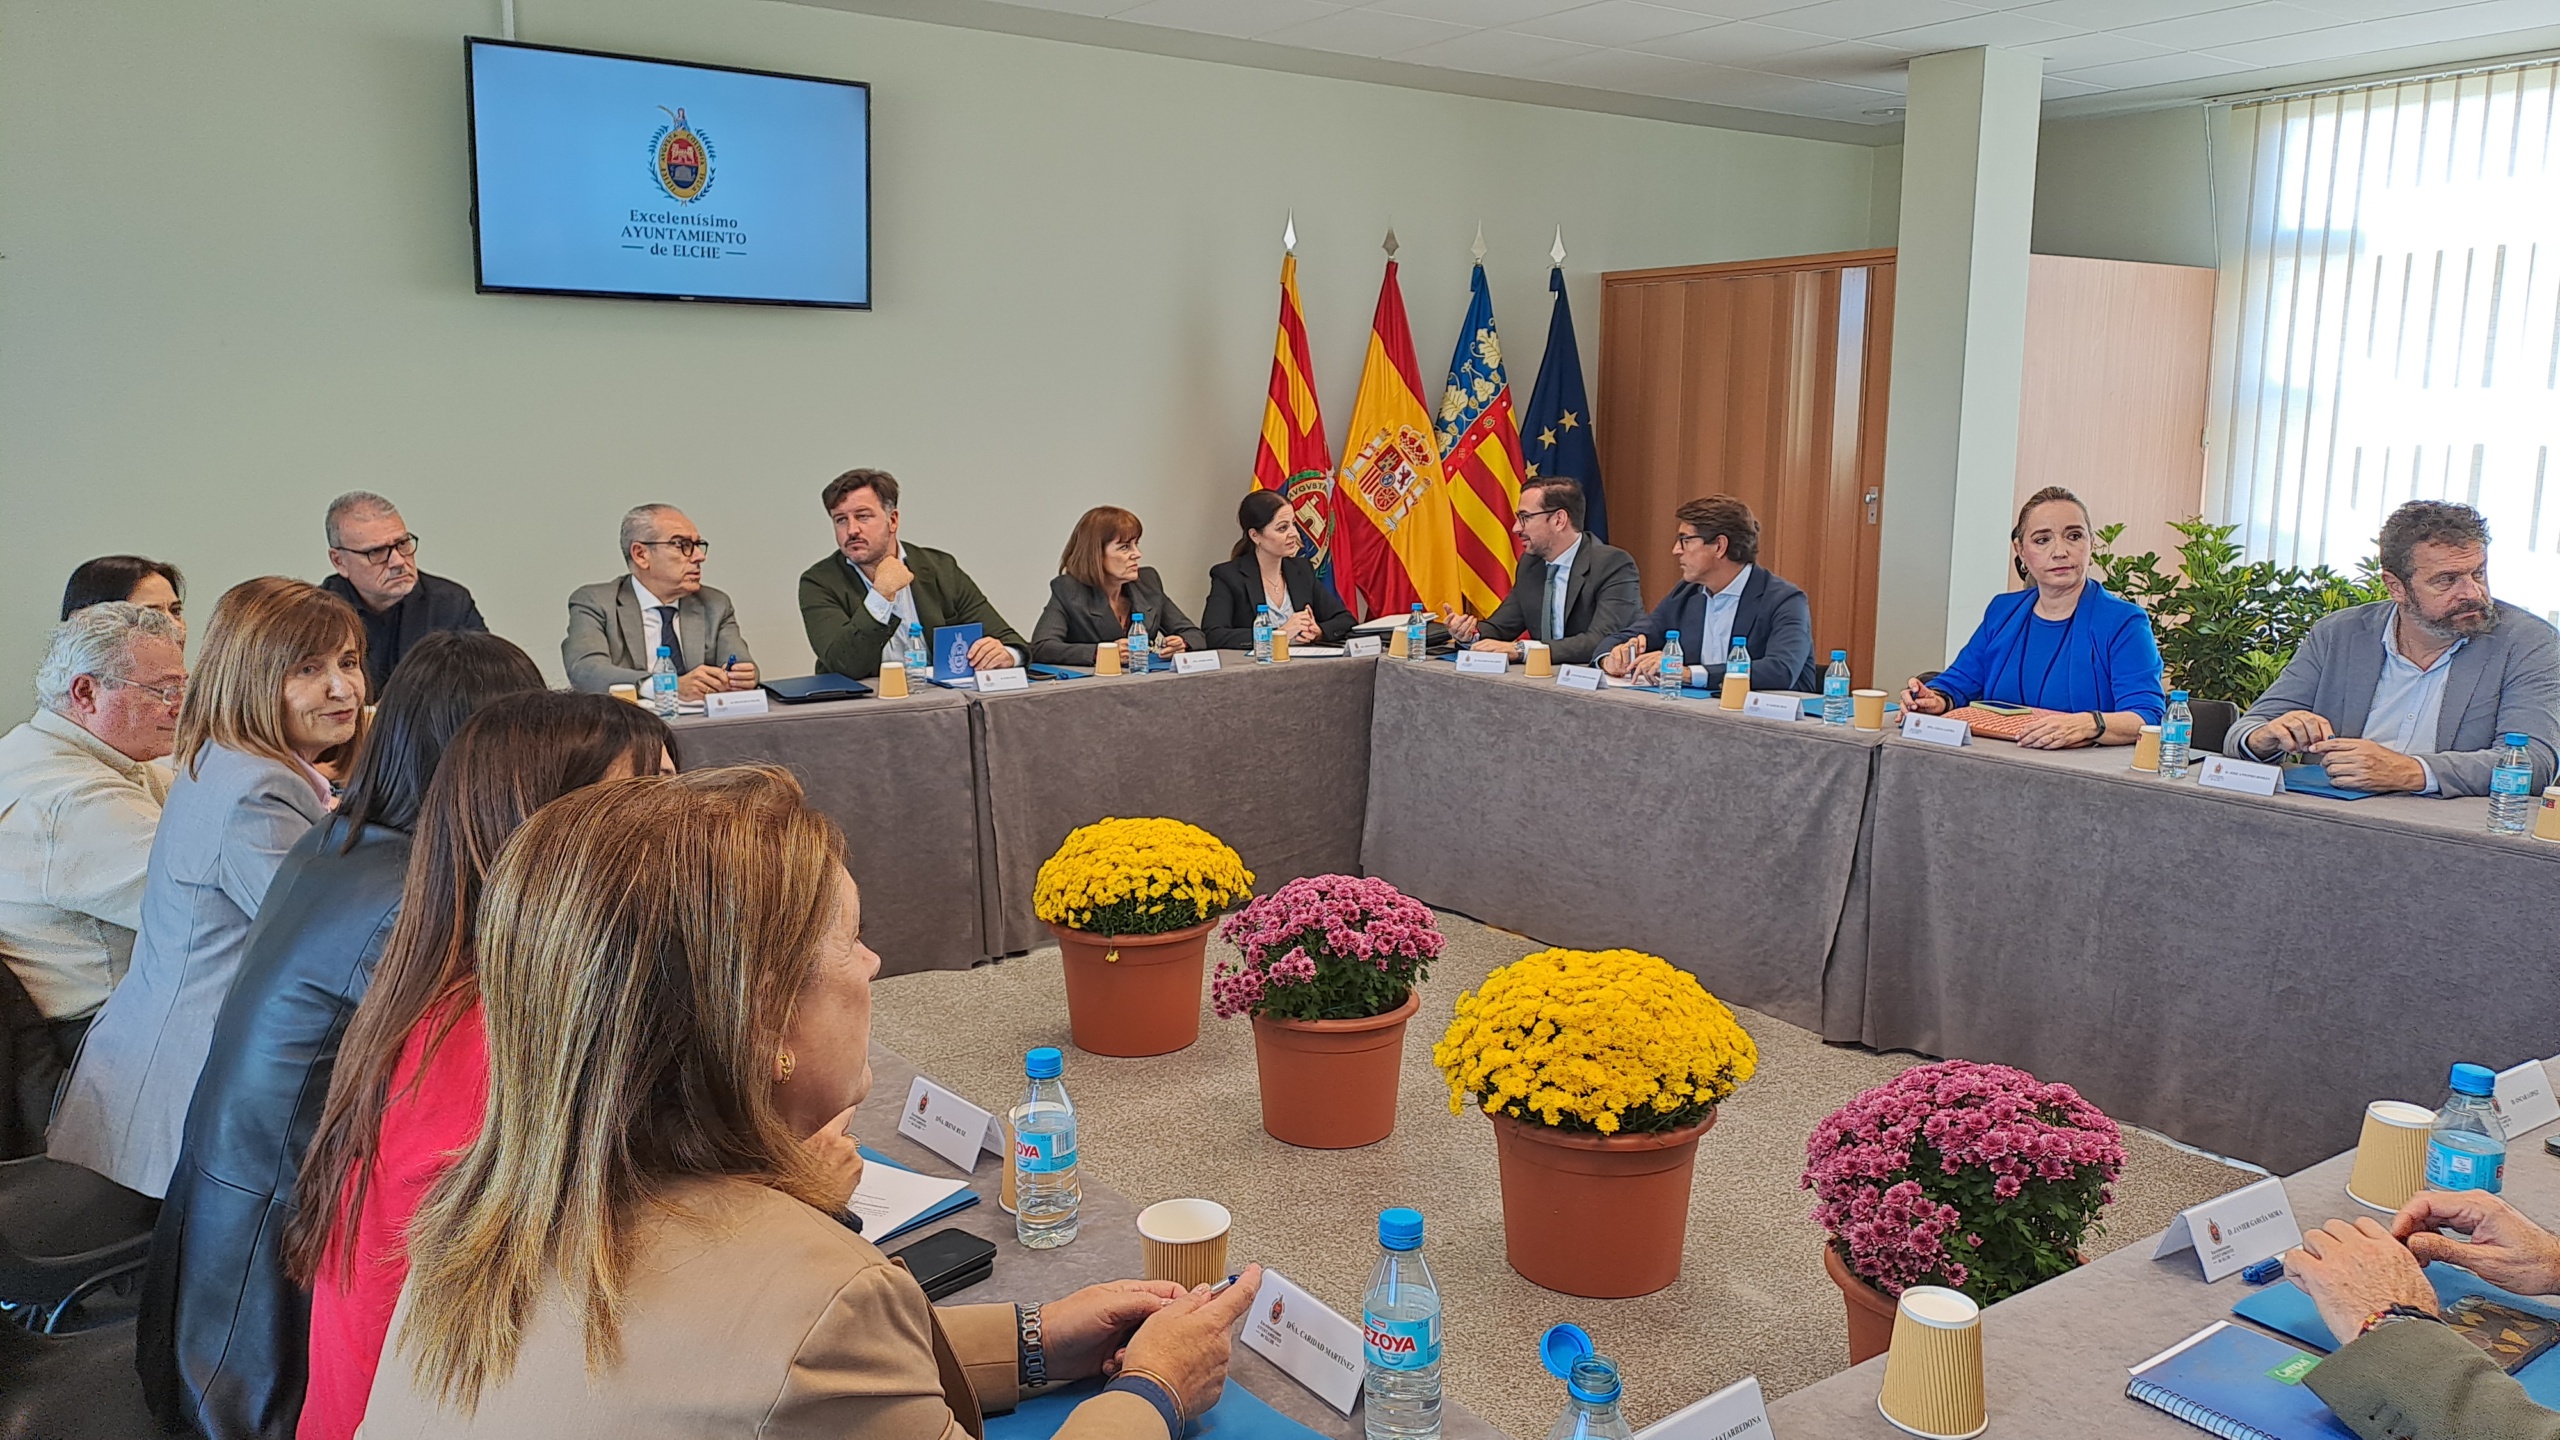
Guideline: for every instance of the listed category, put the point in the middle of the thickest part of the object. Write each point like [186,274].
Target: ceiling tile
[2230,27]
[1242,18]
[1851,62]
[1367,32]
[2063,87]
[1737,9]
[2113,14]
[1992,27]
[1496,52]
[2374,9]
[1615,22]
[1628,70]
[1475,12]
[1080,7]
[1849,19]
[2455,22]
[1743,44]
[2096,47]
[2159,70]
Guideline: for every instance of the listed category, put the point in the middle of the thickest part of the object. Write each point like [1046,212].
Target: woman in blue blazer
[2065,647]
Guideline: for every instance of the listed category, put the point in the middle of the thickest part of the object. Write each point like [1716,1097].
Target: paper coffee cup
[1536,658]
[1933,1372]
[625,692]
[892,682]
[1106,659]
[1279,648]
[1185,1241]
[1866,709]
[1735,688]
[2391,1155]
[1395,647]
[2146,749]
[2546,821]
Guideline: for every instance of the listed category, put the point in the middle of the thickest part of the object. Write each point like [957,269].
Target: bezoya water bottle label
[1401,1344]
[2511,780]
[1039,1153]
[2175,732]
[2452,1169]
[1835,686]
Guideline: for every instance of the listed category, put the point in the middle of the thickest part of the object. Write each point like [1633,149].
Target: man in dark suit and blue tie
[1723,592]
[1573,590]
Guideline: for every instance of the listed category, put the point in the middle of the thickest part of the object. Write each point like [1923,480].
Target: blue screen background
[565,154]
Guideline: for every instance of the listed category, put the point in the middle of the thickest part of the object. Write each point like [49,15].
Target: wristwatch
[2389,1314]
[2101,717]
[1033,1360]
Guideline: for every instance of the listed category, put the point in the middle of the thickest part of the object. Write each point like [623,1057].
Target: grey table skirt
[1105,1248]
[2055,1359]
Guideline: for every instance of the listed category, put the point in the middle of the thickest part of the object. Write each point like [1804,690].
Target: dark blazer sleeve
[1620,599]
[966,604]
[2413,1378]
[586,652]
[1227,618]
[726,638]
[1653,626]
[1786,663]
[1166,618]
[2296,688]
[842,633]
[1333,618]
[1510,619]
[1064,634]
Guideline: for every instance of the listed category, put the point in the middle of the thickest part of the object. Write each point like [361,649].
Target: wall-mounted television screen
[596,174]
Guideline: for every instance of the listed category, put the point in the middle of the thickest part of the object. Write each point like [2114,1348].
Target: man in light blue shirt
[2411,694]
[1725,594]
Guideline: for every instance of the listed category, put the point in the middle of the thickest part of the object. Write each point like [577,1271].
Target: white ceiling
[1827,66]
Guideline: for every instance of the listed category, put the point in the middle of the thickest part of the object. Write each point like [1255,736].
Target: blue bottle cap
[1674,634]
[1417,609]
[1044,1063]
[1400,1228]
[2474,1080]
[2177,694]
[2512,739]
[1839,654]
[662,650]
[1261,609]
[1137,615]
[1561,1346]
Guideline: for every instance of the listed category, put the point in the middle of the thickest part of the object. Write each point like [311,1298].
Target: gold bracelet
[1180,1419]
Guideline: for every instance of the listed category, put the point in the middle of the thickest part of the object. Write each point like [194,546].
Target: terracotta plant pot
[1870,1309]
[1134,994]
[1331,1084]
[1597,1215]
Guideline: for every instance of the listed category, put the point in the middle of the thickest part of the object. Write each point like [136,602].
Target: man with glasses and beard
[616,626]
[2410,694]
[376,560]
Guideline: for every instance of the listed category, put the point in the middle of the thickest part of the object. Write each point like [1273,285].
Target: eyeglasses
[1525,516]
[687,546]
[1683,540]
[170,695]
[405,546]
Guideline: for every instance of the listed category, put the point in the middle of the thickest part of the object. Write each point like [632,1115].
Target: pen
[1220,1288]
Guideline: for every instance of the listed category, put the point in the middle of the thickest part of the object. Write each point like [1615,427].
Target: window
[2389,319]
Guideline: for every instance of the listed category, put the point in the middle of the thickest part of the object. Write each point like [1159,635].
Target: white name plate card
[1578,677]
[2240,777]
[1195,662]
[1935,729]
[1735,1412]
[948,1125]
[734,702]
[2524,1099]
[1359,645]
[1011,678]
[1301,1335]
[2231,1232]
[1483,662]
[1762,706]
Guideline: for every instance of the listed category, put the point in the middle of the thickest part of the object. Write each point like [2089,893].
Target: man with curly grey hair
[79,803]
[2411,693]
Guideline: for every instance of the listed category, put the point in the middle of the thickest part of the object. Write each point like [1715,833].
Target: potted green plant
[2226,628]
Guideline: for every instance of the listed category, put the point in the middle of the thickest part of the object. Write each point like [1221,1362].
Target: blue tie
[667,635]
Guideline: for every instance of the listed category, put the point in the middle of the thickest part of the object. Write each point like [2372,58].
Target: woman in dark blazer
[1100,587]
[1265,570]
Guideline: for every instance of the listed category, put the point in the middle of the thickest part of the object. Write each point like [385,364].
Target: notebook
[2314,780]
[1238,1415]
[810,688]
[892,1199]
[2488,1316]
[2238,1384]
[2003,722]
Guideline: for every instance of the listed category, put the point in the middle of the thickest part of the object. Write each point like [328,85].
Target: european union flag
[1555,431]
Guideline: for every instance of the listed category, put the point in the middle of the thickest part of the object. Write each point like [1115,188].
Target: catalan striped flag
[1480,453]
[1390,500]
[1293,457]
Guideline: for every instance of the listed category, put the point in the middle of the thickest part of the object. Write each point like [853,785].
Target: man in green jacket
[849,601]
[2401,1374]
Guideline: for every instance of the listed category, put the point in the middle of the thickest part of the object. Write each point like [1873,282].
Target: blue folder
[809,688]
[2314,780]
[1238,1415]
[961,1201]
[2286,1310]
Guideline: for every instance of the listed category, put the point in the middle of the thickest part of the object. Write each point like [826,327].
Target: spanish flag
[1293,457]
[1480,450]
[1391,504]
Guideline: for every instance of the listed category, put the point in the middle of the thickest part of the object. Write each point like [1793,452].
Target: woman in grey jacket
[279,690]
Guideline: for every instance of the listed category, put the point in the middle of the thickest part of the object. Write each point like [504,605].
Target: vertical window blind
[2391,319]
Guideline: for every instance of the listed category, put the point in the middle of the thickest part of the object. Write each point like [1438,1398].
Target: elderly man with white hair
[79,803]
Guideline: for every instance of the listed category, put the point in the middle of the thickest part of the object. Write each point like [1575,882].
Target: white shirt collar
[650,604]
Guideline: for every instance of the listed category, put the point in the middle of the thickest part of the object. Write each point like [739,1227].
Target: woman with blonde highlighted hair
[647,1238]
[277,692]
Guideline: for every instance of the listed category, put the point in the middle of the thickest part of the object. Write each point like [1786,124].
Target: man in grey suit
[616,626]
[2411,694]
[1572,591]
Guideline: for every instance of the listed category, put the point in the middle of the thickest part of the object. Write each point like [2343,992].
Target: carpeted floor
[1752,1297]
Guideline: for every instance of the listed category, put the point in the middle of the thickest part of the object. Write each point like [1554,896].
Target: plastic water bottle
[1417,638]
[662,683]
[2467,1149]
[1590,1387]
[1835,690]
[2176,725]
[1400,1330]
[893,651]
[2511,787]
[1136,659]
[919,659]
[1045,1195]
[1675,667]
[1261,634]
[1737,659]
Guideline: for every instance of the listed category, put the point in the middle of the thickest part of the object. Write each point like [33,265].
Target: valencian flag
[1293,458]
[1555,431]
[1480,454]
[1390,502]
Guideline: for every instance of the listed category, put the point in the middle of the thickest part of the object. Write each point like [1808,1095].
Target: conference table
[1105,1248]
[2240,973]
[2056,1358]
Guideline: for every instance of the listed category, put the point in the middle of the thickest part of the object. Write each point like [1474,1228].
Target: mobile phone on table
[947,1262]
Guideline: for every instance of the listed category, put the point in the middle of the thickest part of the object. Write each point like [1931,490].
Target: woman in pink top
[413,1076]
